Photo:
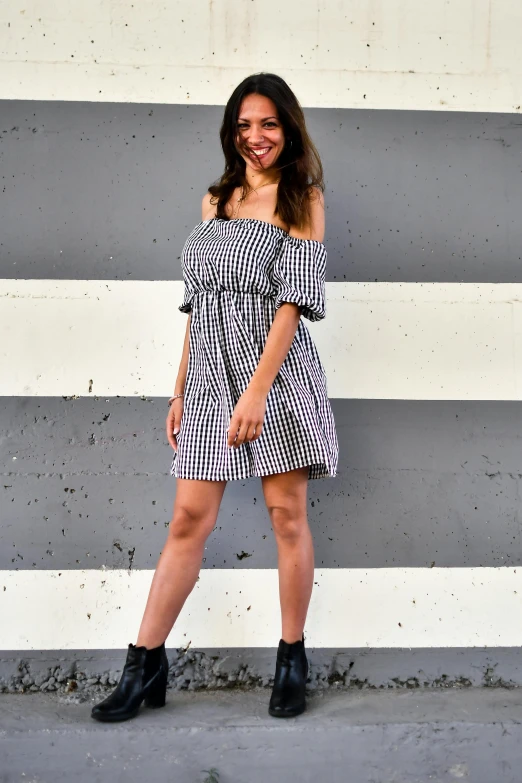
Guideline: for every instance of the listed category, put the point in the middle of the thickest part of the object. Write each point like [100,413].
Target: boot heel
[156,695]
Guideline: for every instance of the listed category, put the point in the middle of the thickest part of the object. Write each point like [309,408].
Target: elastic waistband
[230,291]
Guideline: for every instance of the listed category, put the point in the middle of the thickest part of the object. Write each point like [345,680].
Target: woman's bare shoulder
[208,209]
[315,228]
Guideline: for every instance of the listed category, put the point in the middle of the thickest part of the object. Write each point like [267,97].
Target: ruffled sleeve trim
[186,305]
[299,276]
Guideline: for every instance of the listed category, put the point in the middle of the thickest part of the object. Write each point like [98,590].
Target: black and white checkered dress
[237,273]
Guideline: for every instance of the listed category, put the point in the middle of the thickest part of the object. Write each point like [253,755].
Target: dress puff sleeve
[299,276]
[188,295]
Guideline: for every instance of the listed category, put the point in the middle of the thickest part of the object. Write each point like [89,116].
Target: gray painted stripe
[376,737]
[420,483]
[471,735]
[111,190]
[82,671]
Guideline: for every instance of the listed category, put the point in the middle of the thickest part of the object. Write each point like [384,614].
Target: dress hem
[328,473]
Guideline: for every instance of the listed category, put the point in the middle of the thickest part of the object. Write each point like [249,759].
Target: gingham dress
[237,273]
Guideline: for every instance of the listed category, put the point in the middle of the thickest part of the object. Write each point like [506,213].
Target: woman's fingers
[173,424]
[232,431]
[241,435]
[170,432]
[243,432]
[250,433]
[257,430]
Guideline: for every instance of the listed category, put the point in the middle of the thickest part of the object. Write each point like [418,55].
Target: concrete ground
[368,736]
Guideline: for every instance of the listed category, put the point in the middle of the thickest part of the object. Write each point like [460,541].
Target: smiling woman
[251,393]
[261,139]
[265,142]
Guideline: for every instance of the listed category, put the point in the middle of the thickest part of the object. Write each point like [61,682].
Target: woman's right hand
[174,421]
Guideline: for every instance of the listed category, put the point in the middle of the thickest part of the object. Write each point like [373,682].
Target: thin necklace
[243,197]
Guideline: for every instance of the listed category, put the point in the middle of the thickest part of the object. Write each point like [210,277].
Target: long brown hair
[299,163]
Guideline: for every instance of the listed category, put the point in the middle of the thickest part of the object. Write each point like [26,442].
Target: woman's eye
[243,125]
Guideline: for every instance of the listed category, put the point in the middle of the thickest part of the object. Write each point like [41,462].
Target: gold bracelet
[174,397]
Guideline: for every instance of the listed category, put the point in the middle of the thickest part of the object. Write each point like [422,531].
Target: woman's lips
[260,156]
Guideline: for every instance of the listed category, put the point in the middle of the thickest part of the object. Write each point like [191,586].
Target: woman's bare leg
[195,512]
[285,498]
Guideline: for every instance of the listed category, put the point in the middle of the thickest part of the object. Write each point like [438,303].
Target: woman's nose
[256,136]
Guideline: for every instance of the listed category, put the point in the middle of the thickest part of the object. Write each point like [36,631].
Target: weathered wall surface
[382,54]
[108,140]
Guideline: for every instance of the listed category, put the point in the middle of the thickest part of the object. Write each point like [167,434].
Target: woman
[250,397]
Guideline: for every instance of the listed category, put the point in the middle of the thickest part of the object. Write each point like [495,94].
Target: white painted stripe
[458,55]
[416,341]
[387,607]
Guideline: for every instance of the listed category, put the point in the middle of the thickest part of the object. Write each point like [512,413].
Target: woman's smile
[260,153]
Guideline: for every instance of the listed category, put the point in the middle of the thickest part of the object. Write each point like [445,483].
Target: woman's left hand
[247,419]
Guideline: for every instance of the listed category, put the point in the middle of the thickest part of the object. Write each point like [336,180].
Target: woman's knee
[288,522]
[195,509]
[285,499]
[190,524]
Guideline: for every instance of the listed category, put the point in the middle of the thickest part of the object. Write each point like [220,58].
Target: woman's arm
[183,365]
[278,342]
[176,409]
[315,228]
[286,320]
[249,412]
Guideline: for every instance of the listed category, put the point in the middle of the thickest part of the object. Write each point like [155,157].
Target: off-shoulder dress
[236,274]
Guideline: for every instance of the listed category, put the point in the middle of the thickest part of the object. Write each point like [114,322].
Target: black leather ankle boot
[144,678]
[288,693]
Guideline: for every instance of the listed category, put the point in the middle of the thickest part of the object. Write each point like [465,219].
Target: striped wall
[381,54]
[108,140]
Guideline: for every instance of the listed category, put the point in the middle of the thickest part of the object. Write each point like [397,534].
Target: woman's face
[260,131]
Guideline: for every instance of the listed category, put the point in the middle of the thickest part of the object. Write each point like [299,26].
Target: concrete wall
[108,140]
